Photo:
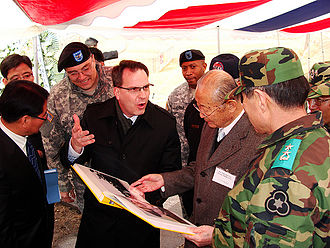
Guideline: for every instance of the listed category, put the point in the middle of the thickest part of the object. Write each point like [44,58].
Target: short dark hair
[98,55]
[22,97]
[288,94]
[13,61]
[117,71]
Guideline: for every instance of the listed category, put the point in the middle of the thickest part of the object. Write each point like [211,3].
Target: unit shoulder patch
[287,155]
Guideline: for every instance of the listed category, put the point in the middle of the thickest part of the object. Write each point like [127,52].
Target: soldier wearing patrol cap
[319,95]
[85,82]
[282,201]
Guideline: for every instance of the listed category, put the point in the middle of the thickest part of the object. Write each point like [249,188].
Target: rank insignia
[78,56]
[287,155]
[188,55]
[278,203]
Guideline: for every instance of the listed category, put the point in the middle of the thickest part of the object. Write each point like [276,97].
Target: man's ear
[25,122]
[204,66]
[263,99]
[93,58]
[231,105]
[116,92]
[5,81]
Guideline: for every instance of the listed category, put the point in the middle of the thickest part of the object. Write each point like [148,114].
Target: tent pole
[36,63]
[218,37]
[322,48]
[278,38]
[43,72]
[309,52]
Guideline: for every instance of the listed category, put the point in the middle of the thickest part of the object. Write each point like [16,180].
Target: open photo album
[114,192]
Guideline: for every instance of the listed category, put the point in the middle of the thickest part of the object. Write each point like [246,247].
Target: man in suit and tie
[26,218]
[16,67]
[228,143]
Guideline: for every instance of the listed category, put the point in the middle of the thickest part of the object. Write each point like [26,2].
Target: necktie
[31,154]
[221,135]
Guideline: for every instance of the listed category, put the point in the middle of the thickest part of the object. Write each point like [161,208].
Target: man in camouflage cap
[85,82]
[283,199]
[319,75]
[319,95]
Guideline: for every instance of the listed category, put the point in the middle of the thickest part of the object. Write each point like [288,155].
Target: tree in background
[48,48]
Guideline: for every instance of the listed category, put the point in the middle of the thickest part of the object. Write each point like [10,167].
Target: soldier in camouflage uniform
[85,82]
[192,63]
[283,200]
[319,96]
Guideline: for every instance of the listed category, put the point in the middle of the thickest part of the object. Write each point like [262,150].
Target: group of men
[238,136]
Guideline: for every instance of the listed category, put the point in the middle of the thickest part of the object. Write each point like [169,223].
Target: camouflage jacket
[176,104]
[283,200]
[66,99]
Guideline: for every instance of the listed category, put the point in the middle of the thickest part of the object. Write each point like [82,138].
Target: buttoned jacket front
[233,155]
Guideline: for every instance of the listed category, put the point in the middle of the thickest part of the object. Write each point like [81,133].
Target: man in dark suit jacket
[130,137]
[15,67]
[26,219]
[228,143]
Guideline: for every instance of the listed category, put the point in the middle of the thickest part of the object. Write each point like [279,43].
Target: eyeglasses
[25,76]
[318,101]
[136,90]
[203,113]
[85,70]
[42,118]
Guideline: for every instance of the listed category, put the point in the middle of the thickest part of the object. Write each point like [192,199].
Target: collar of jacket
[301,125]
[148,115]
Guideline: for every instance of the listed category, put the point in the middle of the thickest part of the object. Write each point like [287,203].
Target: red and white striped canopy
[296,16]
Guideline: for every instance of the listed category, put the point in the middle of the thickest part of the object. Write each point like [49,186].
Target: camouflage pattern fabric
[65,100]
[176,104]
[320,90]
[267,67]
[283,200]
[319,73]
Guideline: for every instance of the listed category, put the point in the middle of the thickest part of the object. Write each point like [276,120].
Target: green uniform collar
[303,124]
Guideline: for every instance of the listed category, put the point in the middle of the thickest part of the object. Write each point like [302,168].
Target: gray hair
[220,81]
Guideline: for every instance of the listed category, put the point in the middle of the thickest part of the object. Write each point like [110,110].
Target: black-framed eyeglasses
[25,76]
[136,89]
[318,101]
[42,118]
[203,113]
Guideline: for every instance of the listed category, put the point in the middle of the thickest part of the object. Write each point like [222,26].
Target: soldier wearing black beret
[86,81]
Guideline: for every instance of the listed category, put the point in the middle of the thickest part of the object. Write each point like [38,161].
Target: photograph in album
[114,192]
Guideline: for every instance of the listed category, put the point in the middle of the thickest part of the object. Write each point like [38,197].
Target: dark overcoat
[26,219]
[151,145]
[235,152]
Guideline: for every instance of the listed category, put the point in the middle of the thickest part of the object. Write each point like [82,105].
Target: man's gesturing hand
[80,138]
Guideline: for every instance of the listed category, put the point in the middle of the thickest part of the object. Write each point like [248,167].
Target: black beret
[227,62]
[73,54]
[191,55]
